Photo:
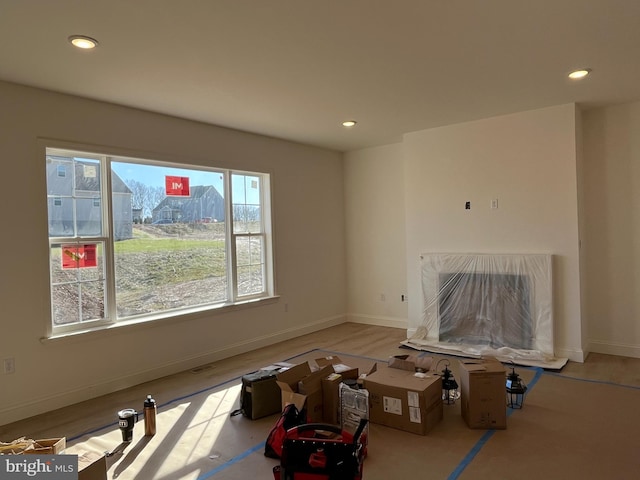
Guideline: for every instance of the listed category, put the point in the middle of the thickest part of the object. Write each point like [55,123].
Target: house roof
[295,70]
[195,192]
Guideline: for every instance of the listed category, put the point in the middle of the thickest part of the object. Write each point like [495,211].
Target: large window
[132,238]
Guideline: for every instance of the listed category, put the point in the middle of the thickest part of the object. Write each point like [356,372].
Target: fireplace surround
[487,304]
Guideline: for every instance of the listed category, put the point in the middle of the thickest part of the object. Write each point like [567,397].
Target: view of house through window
[154,239]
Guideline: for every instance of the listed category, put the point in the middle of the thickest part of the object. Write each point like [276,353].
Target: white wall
[377,276]
[612,203]
[527,161]
[309,251]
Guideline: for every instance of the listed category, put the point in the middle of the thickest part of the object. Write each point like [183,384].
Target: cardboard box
[298,385]
[339,366]
[331,399]
[405,400]
[411,363]
[47,446]
[483,393]
[91,465]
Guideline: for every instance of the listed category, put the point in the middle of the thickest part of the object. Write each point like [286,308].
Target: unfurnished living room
[418,213]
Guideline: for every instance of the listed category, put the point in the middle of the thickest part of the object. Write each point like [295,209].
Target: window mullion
[232,284]
[110,311]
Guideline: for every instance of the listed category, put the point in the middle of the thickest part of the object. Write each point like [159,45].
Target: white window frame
[107,238]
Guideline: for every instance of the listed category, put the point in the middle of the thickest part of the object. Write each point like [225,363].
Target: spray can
[149,416]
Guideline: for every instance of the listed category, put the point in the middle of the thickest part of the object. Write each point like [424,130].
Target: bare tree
[138,191]
[145,197]
[154,196]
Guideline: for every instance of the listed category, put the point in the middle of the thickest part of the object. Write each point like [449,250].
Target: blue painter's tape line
[470,456]
[601,382]
[231,462]
[213,387]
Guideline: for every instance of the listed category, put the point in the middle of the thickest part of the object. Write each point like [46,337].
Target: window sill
[153,321]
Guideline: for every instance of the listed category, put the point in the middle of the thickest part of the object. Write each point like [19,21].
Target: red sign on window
[177,186]
[79,256]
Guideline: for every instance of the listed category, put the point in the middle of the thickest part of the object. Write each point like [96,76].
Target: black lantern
[449,385]
[516,390]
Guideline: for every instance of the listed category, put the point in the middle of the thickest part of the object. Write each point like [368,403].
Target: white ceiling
[295,69]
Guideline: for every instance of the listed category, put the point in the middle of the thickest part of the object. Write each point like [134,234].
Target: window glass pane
[70,197]
[57,184]
[174,255]
[61,222]
[77,282]
[249,280]
[249,258]
[246,203]
[88,218]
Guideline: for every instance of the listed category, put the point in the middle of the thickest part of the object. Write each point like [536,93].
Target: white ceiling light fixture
[83,42]
[349,123]
[578,74]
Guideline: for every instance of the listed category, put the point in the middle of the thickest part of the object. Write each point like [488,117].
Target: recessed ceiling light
[576,74]
[82,41]
[349,123]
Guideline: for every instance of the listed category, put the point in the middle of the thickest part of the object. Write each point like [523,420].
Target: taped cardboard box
[405,400]
[302,387]
[483,393]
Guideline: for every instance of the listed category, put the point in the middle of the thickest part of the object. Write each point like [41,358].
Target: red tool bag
[318,451]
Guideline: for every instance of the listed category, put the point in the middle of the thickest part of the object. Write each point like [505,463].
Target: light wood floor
[449,451]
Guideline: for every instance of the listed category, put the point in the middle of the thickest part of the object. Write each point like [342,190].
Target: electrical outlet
[494,204]
[9,365]
[286,307]
[383,297]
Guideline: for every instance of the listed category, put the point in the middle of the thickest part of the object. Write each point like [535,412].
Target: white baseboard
[611,348]
[45,404]
[571,353]
[378,320]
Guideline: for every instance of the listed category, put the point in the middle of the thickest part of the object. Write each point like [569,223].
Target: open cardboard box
[339,366]
[48,446]
[44,446]
[331,386]
[411,363]
[302,387]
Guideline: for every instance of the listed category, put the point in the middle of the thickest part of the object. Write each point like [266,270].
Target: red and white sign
[79,256]
[177,186]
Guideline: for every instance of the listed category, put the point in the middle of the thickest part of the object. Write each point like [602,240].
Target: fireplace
[487,304]
[485,309]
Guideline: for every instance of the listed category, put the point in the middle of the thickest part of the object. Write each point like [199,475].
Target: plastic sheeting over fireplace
[486,304]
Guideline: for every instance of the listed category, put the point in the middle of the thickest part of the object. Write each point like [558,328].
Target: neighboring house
[74,201]
[204,205]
